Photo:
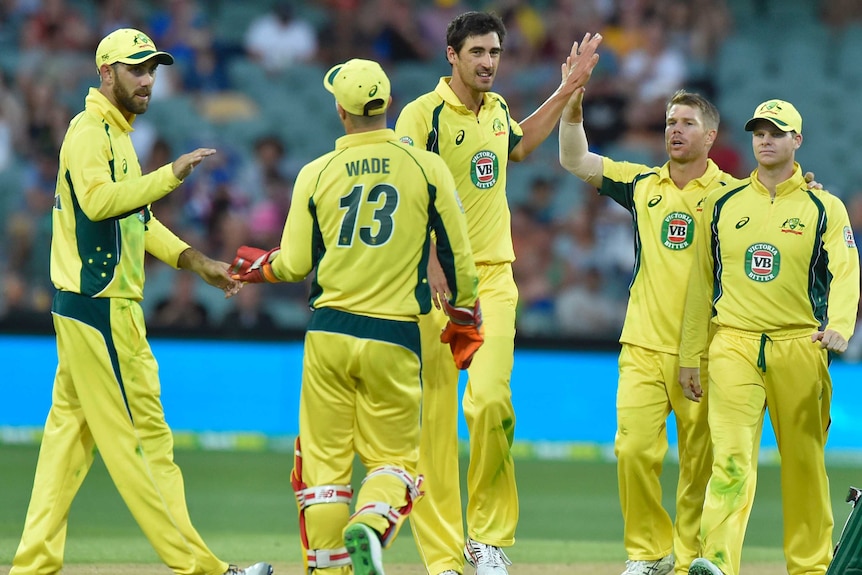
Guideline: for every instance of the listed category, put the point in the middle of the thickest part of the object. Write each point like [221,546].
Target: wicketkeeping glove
[254,265]
[464,332]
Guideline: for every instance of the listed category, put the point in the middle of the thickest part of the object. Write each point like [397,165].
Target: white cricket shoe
[661,566]
[256,569]
[487,559]
[701,566]
[449,572]
[363,546]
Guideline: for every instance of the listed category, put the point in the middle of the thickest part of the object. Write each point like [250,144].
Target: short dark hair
[711,117]
[473,24]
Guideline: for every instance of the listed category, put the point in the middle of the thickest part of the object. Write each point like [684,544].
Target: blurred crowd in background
[248,81]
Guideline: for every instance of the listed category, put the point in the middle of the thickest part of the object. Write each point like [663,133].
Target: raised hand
[184,165]
[580,63]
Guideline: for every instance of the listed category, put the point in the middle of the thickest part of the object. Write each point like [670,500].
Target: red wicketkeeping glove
[464,332]
[254,265]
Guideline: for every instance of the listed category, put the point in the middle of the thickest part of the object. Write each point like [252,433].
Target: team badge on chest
[677,231]
[485,169]
[762,262]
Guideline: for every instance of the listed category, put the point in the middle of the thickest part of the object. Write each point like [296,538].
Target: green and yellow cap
[129,46]
[360,86]
[783,114]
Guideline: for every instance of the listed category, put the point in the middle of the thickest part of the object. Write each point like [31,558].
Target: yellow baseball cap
[360,86]
[781,113]
[129,46]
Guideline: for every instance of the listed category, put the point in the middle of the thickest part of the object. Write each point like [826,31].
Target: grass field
[242,504]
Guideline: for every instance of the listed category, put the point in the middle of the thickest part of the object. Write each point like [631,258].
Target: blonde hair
[711,117]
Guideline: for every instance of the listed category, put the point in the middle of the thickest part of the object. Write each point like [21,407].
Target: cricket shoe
[449,572]
[487,559]
[661,566]
[363,546]
[256,569]
[701,566]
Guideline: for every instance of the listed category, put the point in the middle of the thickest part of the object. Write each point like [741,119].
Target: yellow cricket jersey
[477,152]
[102,223]
[360,216]
[665,219]
[772,266]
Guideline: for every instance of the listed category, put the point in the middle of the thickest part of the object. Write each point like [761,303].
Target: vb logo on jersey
[677,231]
[485,169]
[762,262]
[407,140]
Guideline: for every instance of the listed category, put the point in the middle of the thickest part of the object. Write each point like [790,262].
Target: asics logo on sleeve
[653,201]
[459,137]
[742,222]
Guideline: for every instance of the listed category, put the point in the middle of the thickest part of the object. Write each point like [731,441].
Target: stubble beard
[127,100]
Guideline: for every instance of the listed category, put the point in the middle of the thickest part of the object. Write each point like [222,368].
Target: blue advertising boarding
[232,386]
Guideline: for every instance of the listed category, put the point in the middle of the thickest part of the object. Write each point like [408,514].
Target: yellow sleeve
[698,300]
[843,263]
[294,261]
[453,243]
[99,196]
[163,243]
[412,126]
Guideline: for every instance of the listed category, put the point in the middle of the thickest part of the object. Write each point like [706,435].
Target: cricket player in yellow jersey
[360,219]
[106,390]
[665,203]
[471,128]
[777,276]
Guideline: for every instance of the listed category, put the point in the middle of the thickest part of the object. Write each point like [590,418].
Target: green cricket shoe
[363,546]
[701,566]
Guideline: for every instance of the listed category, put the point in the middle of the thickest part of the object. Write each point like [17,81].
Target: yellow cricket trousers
[361,391]
[492,506]
[106,395]
[647,392]
[787,374]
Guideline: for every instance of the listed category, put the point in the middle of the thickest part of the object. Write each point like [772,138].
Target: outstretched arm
[575,155]
[211,271]
[576,72]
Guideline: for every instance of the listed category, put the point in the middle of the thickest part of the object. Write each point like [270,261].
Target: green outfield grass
[243,505]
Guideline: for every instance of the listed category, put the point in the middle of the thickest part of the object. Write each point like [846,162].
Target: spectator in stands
[115,14]
[392,31]
[248,316]
[539,205]
[181,27]
[651,73]
[434,18]
[533,268]
[584,308]
[60,27]
[13,123]
[269,164]
[206,73]
[181,309]
[696,28]
[341,30]
[279,39]
[18,311]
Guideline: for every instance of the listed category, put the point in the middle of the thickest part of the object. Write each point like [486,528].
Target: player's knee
[386,499]
[632,446]
[491,407]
